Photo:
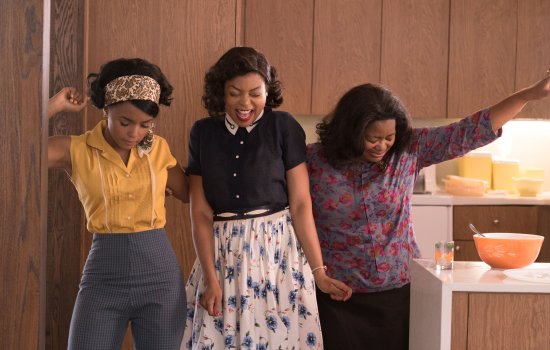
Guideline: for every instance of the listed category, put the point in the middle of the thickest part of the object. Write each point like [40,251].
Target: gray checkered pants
[129,278]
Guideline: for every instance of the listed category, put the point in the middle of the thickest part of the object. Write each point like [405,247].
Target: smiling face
[127,125]
[245,98]
[379,138]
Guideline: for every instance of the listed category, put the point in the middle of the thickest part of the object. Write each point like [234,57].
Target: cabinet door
[533,51]
[513,320]
[493,218]
[482,54]
[283,30]
[347,49]
[415,54]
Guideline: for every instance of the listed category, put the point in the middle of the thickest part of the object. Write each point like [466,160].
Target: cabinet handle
[457,247]
[495,221]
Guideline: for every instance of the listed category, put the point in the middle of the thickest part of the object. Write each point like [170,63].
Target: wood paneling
[23,188]
[346,50]
[504,321]
[494,218]
[482,54]
[459,321]
[65,215]
[184,38]
[415,55]
[533,51]
[544,230]
[283,30]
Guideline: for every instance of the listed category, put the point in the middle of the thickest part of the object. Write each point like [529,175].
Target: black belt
[248,213]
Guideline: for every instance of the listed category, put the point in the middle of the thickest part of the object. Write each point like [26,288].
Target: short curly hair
[342,133]
[239,61]
[129,66]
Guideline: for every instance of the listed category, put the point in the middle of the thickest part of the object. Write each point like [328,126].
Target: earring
[145,145]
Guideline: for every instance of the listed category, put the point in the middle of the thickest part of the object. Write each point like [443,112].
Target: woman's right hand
[211,299]
[67,99]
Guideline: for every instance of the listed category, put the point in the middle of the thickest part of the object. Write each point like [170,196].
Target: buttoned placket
[239,148]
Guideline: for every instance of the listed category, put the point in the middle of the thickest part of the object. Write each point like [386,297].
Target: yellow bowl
[528,186]
[508,250]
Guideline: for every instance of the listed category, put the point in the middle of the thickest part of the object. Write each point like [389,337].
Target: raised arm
[302,218]
[508,108]
[67,99]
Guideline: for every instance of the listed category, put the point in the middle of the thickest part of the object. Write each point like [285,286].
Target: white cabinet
[431,223]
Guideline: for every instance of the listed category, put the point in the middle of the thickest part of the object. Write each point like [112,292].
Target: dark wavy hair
[129,66]
[342,133]
[236,62]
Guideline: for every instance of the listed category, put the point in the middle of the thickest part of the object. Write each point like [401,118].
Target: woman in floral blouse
[362,174]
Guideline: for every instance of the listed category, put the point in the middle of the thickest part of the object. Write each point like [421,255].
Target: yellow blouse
[119,198]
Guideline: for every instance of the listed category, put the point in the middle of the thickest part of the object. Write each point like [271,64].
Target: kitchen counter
[432,293]
[443,198]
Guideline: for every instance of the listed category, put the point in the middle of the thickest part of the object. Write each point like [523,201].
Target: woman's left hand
[336,289]
[540,89]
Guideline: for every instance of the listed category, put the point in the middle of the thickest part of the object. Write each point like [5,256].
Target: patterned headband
[132,87]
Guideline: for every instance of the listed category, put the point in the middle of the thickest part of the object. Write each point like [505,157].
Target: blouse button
[130,195]
[237,196]
[127,175]
[234,174]
[242,142]
[237,156]
[129,217]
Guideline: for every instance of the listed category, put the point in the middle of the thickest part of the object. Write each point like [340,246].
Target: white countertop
[474,276]
[432,296]
[443,198]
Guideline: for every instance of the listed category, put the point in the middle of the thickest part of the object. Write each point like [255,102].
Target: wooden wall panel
[482,54]
[184,38]
[533,51]
[23,188]
[282,30]
[459,321]
[65,215]
[508,320]
[415,54]
[346,49]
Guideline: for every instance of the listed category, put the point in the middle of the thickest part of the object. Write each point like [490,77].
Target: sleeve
[435,145]
[164,157]
[194,163]
[293,142]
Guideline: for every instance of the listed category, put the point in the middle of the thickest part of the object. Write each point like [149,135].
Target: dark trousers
[129,279]
[377,321]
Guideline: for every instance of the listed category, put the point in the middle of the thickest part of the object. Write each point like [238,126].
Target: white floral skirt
[268,289]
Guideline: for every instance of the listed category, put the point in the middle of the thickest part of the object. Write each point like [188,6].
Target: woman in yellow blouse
[121,171]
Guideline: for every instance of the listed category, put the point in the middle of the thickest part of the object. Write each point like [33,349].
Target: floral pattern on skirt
[269,299]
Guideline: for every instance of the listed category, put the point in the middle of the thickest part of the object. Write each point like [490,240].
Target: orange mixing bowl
[508,250]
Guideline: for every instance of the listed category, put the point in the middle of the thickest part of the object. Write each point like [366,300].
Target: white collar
[232,127]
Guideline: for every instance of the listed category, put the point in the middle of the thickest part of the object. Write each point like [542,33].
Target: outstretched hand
[336,289]
[67,99]
[540,89]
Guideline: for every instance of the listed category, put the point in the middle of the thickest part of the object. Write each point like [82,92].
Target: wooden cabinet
[346,50]
[442,58]
[283,32]
[533,51]
[513,321]
[482,54]
[499,218]
[415,54]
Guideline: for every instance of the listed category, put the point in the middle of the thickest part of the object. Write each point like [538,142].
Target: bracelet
[324,267]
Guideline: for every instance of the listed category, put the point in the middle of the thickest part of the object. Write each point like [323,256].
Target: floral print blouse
[363,212]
